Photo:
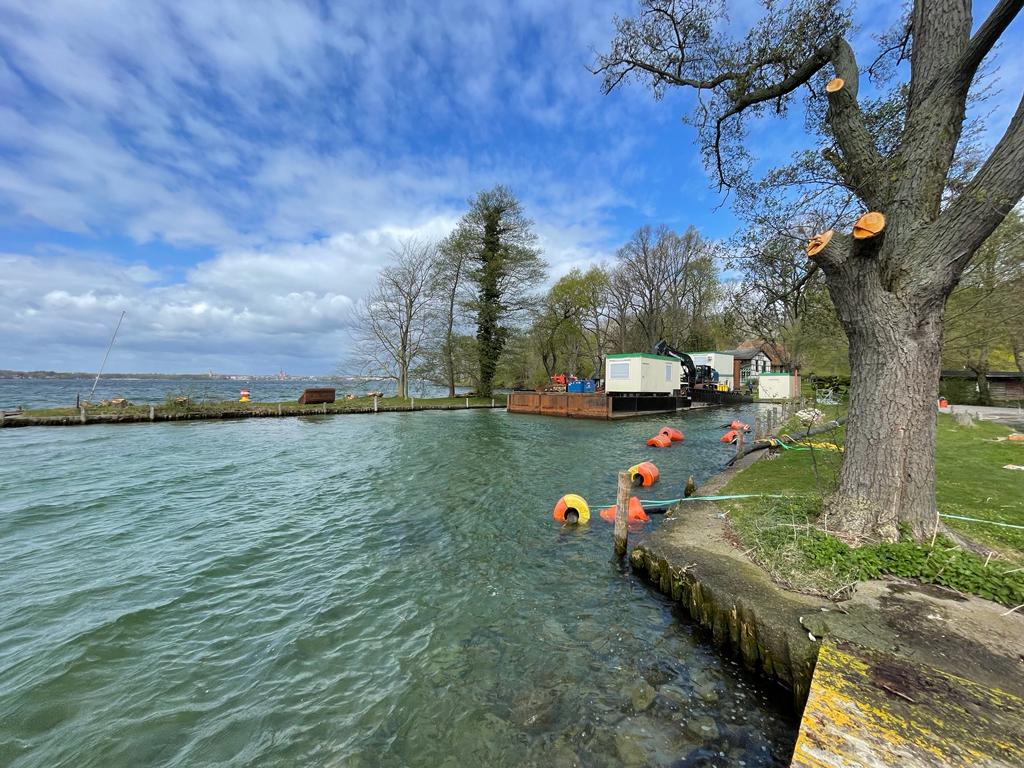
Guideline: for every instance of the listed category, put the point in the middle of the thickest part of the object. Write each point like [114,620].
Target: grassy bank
[782,534]
[232,409]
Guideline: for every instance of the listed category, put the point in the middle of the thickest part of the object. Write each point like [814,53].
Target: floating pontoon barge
[591,406]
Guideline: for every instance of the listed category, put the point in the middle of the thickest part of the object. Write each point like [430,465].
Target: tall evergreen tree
[505,267]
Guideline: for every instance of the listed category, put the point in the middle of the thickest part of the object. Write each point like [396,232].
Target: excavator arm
[664,349]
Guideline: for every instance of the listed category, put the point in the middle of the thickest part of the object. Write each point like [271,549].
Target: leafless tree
[397,322]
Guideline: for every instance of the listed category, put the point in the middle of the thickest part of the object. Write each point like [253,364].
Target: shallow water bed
[356,590]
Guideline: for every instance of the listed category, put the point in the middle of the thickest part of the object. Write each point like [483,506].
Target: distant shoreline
[189,411]
[67,376]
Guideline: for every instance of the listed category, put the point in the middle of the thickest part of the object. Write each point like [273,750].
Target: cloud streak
[234,173]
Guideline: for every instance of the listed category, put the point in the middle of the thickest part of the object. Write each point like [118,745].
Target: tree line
[470,310]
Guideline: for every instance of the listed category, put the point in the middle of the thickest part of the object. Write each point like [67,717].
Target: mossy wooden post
[467,402]
[622,513]
[739,443]
[81,414]
[152,413]
[374,403]
[412,403]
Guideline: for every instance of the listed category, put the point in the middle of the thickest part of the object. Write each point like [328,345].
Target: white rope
[976,520]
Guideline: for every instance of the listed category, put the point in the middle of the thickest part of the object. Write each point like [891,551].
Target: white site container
[642,374]
[721,362]
[777,386]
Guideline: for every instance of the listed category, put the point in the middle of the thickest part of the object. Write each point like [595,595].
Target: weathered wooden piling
[621,534]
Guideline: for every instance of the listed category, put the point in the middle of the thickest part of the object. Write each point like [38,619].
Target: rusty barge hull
[573,405]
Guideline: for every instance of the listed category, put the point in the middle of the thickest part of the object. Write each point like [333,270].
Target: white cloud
[291,145]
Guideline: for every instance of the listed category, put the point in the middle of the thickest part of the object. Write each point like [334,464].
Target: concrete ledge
[902,674]
[691,559]
[872,709]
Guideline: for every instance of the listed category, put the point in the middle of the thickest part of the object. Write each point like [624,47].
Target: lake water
[364,590]
[57,393]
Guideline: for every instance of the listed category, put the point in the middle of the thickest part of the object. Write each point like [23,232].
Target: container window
[618,370]
[668,371]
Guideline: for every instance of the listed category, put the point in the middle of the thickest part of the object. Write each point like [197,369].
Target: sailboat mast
[107,353]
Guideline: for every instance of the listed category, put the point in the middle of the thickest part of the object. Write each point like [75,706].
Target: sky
[233,174]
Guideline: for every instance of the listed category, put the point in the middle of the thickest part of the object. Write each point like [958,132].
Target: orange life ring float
[731,436]
[571,509]
[659,441]
[644,474]
[671,433]
[634,514]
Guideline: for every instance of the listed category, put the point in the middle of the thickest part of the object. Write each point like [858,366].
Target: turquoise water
[378,590]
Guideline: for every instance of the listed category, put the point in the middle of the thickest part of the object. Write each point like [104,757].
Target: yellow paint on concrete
[870,709]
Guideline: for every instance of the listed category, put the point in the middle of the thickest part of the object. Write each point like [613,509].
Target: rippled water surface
[378,590]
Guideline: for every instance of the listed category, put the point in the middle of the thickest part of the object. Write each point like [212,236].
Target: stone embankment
[901,674]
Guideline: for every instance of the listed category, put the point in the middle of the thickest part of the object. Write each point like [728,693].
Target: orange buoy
[659,441]
[736,424]
[731,436]
[1015,438]
[671,433]
[644,474]
[635,513]
[571,509]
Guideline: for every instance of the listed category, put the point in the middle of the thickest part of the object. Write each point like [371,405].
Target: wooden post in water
[278,409]
[412,403]
[621,534]
[374,403]
[467,402]
[492,403]
[81,414]
[739,443]
[152,413]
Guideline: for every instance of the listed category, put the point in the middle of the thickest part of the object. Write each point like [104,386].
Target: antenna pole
[107,353]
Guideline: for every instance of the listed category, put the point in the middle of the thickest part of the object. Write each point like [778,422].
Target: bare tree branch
[978,210]
[986,37]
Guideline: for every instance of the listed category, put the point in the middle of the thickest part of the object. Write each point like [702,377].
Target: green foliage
[784,538]
[505,267]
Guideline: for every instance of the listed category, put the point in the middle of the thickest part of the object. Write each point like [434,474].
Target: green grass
[289,406]
[970,481]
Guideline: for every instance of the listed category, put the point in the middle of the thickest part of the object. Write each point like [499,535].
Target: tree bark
[981,381]
[888,472]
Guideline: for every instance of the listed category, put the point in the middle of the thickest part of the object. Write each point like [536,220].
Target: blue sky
[233,174]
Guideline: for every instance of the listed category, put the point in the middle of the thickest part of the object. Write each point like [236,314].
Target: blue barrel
[575,386]
[589,385]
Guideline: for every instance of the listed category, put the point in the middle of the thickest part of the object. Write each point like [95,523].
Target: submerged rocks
[641,695]
[702,728]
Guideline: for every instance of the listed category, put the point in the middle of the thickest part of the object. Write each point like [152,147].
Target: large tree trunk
[888,472]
